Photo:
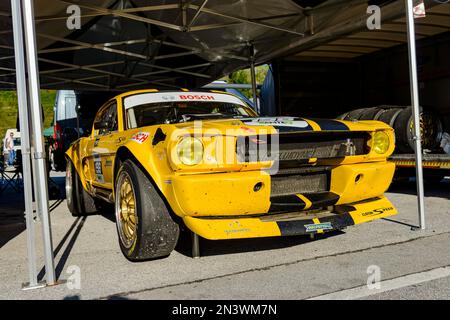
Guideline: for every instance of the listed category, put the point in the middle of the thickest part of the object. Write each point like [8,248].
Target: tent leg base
[27,287]
[195,246]
[40,285]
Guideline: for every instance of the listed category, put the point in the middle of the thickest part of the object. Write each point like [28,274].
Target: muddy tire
[145,226]
[79,202]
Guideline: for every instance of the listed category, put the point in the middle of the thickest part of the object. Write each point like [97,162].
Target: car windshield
[179,112]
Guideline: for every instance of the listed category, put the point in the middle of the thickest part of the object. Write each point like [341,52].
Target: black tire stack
[401,119]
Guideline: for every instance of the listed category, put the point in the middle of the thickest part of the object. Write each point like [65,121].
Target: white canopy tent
[217,40]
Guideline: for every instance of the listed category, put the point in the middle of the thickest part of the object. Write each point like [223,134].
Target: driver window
[109,116]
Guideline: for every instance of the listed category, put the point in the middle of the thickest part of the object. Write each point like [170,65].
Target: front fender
[149,152]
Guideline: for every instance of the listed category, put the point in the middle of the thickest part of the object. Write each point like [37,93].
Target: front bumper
[293,223]
[235,193]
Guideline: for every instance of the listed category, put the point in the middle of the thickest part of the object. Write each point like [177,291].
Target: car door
[103,146]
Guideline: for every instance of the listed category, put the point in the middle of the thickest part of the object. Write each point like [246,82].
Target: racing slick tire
[145,227]
[355,114]
[79,202]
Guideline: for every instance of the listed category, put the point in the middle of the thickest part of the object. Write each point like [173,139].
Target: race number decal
[98,168]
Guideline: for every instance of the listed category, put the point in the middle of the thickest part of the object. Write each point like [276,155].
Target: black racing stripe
[294,203]
[340,221]
[331,125]
[286,203]
[344,208]
[293,228]
[320,200]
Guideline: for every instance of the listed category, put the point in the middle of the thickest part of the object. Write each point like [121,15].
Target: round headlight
[381,142]
[190,151]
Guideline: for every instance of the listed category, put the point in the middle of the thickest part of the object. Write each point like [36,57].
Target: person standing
[10,148]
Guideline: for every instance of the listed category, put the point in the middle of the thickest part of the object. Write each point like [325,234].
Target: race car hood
[287,125]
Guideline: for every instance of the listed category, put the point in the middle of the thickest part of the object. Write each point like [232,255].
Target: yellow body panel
[217,229]
[361,181]
[226,190]
[369,211]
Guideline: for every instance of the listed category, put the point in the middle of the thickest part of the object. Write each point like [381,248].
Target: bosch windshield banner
[161,97]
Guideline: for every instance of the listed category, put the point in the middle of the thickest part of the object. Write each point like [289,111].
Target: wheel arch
[123,154]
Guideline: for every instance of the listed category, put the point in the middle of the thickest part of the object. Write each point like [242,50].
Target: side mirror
[101,125]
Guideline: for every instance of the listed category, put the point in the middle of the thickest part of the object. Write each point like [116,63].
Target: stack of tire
[401,119]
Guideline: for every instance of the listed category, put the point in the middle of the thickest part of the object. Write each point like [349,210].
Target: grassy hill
[8,109]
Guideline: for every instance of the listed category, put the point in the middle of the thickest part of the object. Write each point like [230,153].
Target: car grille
[304,181]
[301,147]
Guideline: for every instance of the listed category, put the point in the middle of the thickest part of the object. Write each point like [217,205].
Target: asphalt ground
[408,264]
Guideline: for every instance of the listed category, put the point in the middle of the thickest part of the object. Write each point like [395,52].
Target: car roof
[130,93]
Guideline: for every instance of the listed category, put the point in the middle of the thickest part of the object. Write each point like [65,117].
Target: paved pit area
[410,264]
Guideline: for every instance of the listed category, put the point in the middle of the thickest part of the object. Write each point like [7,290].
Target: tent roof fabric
[132,44]
[392,33]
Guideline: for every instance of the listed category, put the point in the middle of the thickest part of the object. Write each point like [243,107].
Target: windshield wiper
[191,117]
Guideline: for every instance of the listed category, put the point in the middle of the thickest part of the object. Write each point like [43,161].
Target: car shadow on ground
[69,240]
[70,237]
[232,246]
[222,247]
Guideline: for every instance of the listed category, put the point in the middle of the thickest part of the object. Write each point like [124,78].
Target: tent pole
[253,76]
[39,147]
[25,142]
[415,110]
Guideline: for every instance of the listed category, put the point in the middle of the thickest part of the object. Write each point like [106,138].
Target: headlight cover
[381,142]
[190,151]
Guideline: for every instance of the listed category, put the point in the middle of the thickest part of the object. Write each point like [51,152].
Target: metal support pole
[39,147]
[253,75]
[25,142]
[415,110]
[36,189]
[195,246]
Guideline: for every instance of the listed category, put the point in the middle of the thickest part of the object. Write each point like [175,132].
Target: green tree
[244,77]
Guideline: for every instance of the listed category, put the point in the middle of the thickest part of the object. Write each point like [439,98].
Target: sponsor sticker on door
[140,137]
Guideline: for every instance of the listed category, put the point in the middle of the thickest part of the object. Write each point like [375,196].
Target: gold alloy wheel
[126,215]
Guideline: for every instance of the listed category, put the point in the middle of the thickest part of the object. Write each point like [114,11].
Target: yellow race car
[207,161]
